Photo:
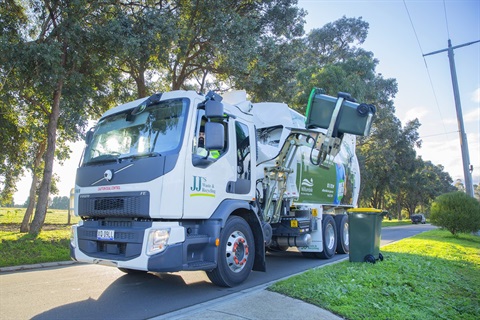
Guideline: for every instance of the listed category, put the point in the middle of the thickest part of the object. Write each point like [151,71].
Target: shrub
[456,212]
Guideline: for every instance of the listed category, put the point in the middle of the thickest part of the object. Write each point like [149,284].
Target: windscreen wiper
[102,159]
[139,155]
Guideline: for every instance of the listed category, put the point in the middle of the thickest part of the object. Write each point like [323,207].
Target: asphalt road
[82,291]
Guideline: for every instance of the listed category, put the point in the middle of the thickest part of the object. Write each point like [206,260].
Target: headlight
[157,241]
[73,234]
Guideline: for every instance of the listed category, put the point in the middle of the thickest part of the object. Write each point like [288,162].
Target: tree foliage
[60,203]
[457,212]
[53,70]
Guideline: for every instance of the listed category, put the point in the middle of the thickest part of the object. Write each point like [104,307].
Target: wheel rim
[346,236]
[237,251]
[329,236]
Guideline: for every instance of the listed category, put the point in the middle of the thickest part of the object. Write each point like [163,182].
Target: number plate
[105,234]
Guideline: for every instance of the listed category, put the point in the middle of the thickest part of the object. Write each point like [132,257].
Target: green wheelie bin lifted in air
[364,230]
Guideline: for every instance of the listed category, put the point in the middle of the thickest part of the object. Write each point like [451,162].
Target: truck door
[207,172]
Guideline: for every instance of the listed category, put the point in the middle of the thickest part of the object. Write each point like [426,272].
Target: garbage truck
[183,181]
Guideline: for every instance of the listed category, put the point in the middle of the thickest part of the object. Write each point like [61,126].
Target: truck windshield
[156,130]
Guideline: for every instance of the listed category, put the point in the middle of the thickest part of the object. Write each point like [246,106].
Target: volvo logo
[108,175]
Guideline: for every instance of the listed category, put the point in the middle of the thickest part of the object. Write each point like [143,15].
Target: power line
[438,134]
[446,20]
[426,67]
[413,27]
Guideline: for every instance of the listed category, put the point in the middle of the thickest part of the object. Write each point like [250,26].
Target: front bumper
[129,248]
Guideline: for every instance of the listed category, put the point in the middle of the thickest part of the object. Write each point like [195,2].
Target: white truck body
[155,197]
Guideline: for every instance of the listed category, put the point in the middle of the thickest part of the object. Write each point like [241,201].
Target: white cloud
[476,96]
[413,113]
[472,116]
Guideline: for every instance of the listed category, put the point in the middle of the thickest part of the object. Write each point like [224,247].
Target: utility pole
[467,169]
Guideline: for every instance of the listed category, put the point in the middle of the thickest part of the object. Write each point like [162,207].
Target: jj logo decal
[197,183]
[201,188]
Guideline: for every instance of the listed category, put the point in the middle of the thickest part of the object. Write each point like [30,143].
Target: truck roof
[164,96]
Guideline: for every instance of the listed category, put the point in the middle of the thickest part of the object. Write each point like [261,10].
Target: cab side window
[243,151]
[201,156]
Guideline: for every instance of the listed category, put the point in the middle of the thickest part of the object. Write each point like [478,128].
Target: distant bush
[456,212]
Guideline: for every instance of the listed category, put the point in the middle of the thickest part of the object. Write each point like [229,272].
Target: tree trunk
[141,87]
[44,192]
[33,188]
[398,204]
[26,218]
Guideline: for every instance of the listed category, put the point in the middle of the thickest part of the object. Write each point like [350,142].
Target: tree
[52,72]
[60,203]
[424,185]
[137,37]
[225,40]
[457,212]
[13,138]
[459,185]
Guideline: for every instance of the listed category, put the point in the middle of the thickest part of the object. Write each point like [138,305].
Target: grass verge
[430,276]
[52,244]
[395,222]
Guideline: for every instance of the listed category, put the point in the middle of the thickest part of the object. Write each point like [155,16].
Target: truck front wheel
[236,253]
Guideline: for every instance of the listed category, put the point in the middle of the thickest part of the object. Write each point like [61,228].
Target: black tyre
[369,258]
[329,236]
[236,253]
[380,256]
[343,238]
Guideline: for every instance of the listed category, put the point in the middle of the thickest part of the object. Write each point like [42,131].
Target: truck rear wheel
[236,253]
[329,237]
[343,239]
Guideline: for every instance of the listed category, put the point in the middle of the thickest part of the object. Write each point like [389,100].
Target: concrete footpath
[250,304]
[253,304]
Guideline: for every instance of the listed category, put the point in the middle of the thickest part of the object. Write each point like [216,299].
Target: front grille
[124,204]
[109,204]
[116,224]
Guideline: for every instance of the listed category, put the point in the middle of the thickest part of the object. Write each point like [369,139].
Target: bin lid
[365,210]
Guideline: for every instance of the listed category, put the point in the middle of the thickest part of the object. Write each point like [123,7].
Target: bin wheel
[369,258]
[380,257]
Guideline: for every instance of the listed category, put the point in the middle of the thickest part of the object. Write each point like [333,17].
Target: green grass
[12,216]
[52,244]
[430,276]
[395,222]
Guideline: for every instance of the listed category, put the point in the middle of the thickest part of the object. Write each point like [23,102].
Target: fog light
[157,241]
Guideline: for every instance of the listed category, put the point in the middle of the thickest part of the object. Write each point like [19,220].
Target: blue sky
[392,40]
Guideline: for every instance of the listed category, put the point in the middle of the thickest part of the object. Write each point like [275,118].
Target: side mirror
[213,109]
[214,136]
[89,136]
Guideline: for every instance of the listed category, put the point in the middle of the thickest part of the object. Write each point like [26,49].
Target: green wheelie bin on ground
[364,230]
